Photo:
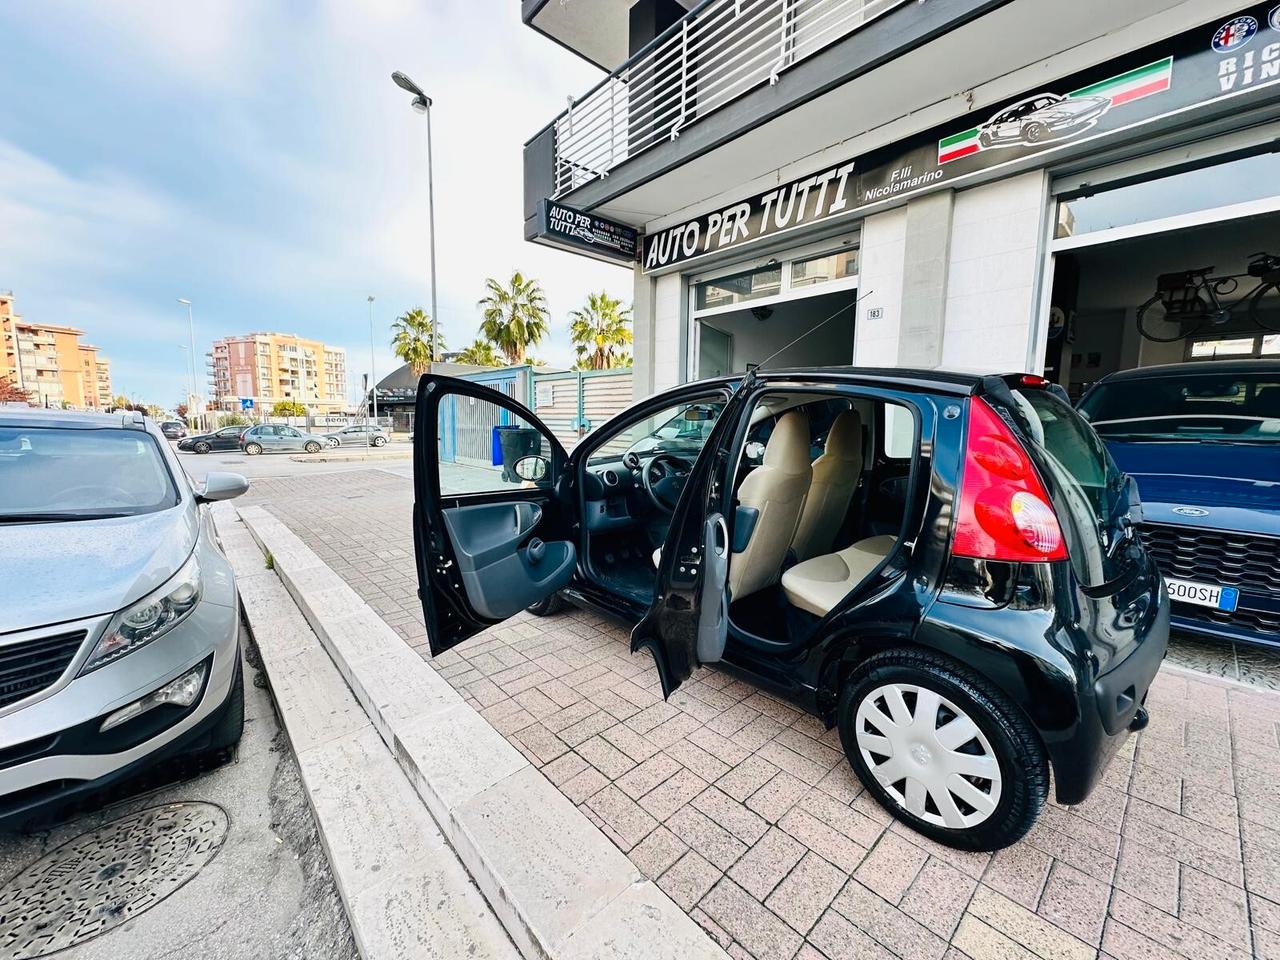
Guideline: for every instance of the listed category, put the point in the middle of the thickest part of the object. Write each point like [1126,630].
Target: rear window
[1090,494]
[52,474]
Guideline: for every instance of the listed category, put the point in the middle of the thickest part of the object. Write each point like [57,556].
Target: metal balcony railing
[715,54]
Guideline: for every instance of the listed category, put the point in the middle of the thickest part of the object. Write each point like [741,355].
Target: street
[263,888]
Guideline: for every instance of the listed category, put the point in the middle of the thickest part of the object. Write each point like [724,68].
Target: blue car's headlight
[151,617]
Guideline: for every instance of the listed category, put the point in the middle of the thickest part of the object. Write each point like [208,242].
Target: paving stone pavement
[746,813]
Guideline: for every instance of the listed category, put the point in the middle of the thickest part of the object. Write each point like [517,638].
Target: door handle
[536,550]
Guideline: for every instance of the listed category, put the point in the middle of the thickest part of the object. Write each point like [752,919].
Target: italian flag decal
[1131,86]
[1121,89]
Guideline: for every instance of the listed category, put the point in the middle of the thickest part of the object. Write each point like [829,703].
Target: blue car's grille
[30,666]
[1242,560]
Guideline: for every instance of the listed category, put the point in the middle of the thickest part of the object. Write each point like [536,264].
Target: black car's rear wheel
[202,447]
[943,750]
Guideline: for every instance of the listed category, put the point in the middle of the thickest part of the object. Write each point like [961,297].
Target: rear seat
[818,584]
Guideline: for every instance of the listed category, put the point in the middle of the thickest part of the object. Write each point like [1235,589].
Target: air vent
[610,478]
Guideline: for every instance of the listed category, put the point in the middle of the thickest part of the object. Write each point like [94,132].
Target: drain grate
[103,878]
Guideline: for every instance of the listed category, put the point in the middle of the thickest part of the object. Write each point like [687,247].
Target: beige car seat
[835,478]
[776,491]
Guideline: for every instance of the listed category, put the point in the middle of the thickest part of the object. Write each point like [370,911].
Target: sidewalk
[745,811]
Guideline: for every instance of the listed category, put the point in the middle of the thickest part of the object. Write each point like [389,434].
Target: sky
[256,159]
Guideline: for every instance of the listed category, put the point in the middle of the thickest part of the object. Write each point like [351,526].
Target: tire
[252,449]
[201,447]
[1001,734]
[334,443]
[1152,312]
[379,441]
[311,447]
[1258,309]
[1034,133]
[230,726]
[545,608]
[984,140]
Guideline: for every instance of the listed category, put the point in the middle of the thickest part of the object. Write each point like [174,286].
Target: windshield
[1194,407]
[681,429]
[69,474]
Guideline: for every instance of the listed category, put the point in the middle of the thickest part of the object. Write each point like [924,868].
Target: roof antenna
[848,306]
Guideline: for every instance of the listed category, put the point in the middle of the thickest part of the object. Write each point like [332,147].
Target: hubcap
[928,755]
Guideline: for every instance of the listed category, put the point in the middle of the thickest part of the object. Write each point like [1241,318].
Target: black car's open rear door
[490,536]
[687,624]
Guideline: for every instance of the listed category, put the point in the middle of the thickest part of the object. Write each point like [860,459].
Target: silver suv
[119,620]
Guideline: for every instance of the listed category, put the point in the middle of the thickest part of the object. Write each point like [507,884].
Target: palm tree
[515,316]
[480,353]
[411,339]
[601,331]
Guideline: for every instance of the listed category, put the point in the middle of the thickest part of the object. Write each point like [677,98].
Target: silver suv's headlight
[151,617]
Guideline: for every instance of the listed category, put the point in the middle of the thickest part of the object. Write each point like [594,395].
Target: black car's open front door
[490,536]
[687,624]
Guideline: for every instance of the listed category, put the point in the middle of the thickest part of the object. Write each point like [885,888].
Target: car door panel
[482,556]
[687,623]
[503,568]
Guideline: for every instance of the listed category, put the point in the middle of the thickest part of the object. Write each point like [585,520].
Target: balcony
[714,55]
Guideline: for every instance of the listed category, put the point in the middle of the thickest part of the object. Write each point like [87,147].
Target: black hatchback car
[944,566]
[226,438]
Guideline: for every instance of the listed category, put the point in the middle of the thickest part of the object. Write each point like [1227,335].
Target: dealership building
[969,184]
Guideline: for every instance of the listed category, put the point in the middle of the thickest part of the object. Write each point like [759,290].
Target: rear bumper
[1110,708]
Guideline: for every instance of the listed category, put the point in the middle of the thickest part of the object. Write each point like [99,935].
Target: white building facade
[963,184]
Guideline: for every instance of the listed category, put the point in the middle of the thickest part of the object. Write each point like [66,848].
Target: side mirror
[222,486]
[532,468]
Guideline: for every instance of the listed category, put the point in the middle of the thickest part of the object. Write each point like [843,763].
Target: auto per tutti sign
[1223,59]
[564,226]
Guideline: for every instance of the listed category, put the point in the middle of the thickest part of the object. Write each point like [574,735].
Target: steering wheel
[664,477]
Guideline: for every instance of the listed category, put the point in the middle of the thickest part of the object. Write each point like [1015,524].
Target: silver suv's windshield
[1189,407]
[71,474]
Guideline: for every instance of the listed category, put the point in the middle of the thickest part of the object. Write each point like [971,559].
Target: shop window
[1229,348]
[832,266]
[739,288]
[1206,188]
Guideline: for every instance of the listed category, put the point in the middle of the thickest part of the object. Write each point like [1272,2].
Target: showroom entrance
[1166,268]
[746,317]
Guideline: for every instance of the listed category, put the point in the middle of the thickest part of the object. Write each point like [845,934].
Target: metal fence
[714,55]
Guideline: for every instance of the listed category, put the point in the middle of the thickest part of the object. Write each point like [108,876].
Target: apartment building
[978,184]
[49,361]
[269,367]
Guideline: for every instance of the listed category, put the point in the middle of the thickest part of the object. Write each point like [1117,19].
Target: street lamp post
[191,327]
[422,103]
[373,379]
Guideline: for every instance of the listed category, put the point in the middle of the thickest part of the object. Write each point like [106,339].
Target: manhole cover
[101,879]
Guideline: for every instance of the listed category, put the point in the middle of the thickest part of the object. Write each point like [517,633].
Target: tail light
[1004,511]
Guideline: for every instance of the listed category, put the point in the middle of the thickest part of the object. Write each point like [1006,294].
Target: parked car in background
[227,438]
[1202,440]
[278,438]
[173,429]
[119,620]
[358,434]
[940,565]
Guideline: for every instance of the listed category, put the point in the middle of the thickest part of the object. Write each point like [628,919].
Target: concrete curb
[557,883]
[404,890]
[323,457]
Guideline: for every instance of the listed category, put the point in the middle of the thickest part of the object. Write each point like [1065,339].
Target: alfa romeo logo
[1237,32]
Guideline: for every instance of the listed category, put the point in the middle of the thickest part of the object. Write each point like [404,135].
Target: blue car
[1202,443]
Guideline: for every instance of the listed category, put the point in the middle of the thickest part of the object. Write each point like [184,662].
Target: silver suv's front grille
[32,665]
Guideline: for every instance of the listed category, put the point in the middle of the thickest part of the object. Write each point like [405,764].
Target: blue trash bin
[496,453]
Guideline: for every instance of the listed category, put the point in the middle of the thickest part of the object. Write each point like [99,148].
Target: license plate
[1204,594]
